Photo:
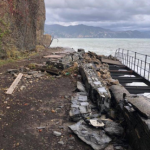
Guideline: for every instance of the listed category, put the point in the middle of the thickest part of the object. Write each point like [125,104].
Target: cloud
[113,14]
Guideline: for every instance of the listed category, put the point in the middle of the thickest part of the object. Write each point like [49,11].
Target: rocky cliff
[21,24]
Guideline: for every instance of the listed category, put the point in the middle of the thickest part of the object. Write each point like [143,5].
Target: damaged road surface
[35,116]
[61,94]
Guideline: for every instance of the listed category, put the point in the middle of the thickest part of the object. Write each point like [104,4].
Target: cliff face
[21,23]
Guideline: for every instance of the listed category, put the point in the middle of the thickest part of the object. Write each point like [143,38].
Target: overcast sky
[112,14]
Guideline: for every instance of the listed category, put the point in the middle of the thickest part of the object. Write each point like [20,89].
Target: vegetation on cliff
[21,26]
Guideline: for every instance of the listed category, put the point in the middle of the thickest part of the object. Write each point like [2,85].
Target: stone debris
[71,147]
[61,142]
[93,127]
[96,123]
[80,87]
[41,127]
[80,107]
[96,138]
[22,87]
[64,59]
[113,128]
[56,133]
[110,147]
[12,71]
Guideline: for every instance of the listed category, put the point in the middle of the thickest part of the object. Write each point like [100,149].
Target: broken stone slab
[113,82]
[80,87]
[80,50]
[71,147]
[137,124]
[80,107]
[32,72]
[74,111]
[61,142]
[67,59]
[75,57]
[41,127]
[113,129]
[57,133]
[96,123]
[84,104]
[119,148]
[82,93]
[53,71]
[38,75]
[96,138]
[22,87]
[110,147]
[95,115]
[12,71]
[117,91]
[140,104]
[79,97]
[82,98]
[27,76]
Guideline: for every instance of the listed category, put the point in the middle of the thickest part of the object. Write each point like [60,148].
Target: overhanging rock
[96,89]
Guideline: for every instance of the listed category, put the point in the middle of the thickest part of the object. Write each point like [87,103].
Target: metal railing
[138,62]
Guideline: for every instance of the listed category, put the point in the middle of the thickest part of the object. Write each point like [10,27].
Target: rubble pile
[135,111]
[80,106]
[92,110]
[101,68]
[27,73]
[94,137]
[64,59]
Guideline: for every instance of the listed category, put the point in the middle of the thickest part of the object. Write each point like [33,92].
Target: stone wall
[98,93]
[135,111]
[21,23]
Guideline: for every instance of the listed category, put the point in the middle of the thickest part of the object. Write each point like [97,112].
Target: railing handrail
[134,63]
[132,51]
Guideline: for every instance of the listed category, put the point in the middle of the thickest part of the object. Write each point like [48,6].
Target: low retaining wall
[135,110]
[97,91]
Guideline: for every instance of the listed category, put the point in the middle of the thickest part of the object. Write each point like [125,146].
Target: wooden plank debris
[14,84]
[109,61]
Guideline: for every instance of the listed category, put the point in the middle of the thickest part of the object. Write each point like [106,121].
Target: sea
[104,46]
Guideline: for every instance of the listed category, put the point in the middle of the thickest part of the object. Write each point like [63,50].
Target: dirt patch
[43,102]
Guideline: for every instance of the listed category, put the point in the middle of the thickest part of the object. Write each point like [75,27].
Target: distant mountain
[83,31]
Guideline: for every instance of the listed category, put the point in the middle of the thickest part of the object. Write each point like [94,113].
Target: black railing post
[134,61]
[128,57]
[122,55]
[138,66]
[145,65]
[116,53]
[149,72]
[141,68]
